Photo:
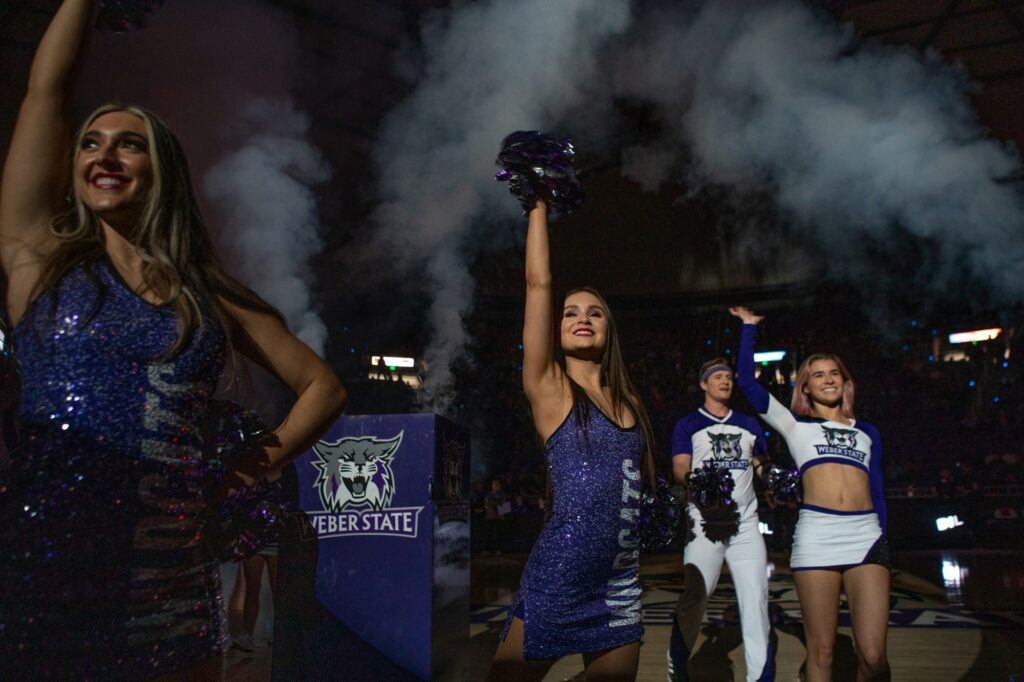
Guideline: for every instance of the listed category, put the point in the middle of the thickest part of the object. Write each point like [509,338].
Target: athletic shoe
[678,655]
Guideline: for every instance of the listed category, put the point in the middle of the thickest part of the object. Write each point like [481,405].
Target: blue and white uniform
[824,538]
[730,442]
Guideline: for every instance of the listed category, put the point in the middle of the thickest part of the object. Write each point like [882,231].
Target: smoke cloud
[490,68]
[221,75]
[270,225]
[845,158]
[855,146]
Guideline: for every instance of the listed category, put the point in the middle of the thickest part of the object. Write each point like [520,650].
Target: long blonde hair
[179,261]
[801,404]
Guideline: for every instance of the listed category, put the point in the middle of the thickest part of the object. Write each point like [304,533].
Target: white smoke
[221,75]
[271,226]
[852,144]
[831,152]
[490,68]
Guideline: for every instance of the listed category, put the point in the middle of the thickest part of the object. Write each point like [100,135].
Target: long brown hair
[801,404]
[179,261]
[615,376]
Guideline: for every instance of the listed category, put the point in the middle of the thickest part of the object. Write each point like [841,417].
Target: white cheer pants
[747,559]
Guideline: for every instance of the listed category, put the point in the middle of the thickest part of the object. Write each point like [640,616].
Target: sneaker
[678,655]
[243,642]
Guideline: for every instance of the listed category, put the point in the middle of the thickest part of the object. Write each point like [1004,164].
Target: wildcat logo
[453,506]
[454,456]
[726,445]
[840,438]
[727,451]
[356,471]
[841,442]
[356,483]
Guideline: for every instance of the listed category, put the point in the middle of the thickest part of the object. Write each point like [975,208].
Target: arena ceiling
[349,82]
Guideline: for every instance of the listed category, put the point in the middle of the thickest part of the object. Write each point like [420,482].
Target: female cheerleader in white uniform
[840,538]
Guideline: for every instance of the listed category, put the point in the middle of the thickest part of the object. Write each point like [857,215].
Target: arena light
[393,361]
[769,356]
[976,335]
[944,523]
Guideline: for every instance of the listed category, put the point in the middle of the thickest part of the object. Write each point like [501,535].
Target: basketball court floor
[956,615]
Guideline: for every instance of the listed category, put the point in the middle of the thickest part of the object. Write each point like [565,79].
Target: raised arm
[35,173]
[542,376]
[320,397]
[770,409]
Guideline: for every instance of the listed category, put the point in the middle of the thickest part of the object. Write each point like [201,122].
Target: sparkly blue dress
[104,569]
[580,590]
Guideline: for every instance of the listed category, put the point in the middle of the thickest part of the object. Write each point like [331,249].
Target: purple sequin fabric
[105,570]
[120,16]
[580,590]
[534,164]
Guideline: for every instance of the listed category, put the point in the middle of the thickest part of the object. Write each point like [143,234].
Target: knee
[820,654]
[873,660]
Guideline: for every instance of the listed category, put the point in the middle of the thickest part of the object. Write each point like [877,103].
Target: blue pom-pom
[711,491]
[660,513]
[538,164]
[783,483]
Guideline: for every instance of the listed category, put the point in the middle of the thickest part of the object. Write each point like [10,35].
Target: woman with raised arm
[840,541]
[123,322]
[580,590]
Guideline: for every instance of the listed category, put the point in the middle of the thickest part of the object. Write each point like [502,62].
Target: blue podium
[387,501]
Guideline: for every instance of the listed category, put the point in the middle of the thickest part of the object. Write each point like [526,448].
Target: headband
[715,368]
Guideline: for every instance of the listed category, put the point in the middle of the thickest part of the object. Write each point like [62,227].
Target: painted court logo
[356,483]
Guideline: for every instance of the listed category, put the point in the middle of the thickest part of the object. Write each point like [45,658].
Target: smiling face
[584,323]
[825,383]
[718,386]
[113,166]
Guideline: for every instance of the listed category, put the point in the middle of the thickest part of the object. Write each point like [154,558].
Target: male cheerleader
[717,435]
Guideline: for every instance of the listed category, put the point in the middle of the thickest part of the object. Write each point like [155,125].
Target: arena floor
[957,615]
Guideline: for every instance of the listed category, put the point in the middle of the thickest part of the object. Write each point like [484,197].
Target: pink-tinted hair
[801,404]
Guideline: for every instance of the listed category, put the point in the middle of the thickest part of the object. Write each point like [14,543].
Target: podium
[387,502]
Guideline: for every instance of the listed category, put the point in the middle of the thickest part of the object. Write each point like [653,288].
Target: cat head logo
[356,471]
[841,438]
[726,445]
[454,458]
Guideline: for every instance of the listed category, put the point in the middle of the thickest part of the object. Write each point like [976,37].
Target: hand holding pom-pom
[711,491]
[784,483]
[539,165]
[250,516]
[660,512]
[121,16]
[711,486]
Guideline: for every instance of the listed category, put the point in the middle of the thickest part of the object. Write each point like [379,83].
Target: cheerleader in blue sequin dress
[580,590]
[123,321]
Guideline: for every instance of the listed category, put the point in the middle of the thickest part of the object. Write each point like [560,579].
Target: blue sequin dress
[104,569]
[580,589]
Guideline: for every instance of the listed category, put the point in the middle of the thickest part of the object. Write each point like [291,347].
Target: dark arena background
[852,170]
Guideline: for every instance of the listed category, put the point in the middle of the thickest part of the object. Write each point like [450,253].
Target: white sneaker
[243,642]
